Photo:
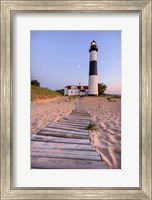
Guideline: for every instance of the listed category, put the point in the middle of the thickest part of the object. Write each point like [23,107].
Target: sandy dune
[44,112]
[107,138]
[106,114]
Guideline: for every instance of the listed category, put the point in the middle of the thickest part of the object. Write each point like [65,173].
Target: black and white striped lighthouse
[93,77]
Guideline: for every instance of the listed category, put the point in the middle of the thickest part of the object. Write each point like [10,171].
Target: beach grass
[60,91]
[92,126]
[42,93]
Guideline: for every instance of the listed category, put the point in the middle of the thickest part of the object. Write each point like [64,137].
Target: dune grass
[61,91]
[92,126]
[42,93]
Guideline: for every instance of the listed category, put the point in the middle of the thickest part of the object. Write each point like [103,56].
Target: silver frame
[143,7]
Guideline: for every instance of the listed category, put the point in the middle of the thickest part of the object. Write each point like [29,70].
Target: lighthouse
[93,77]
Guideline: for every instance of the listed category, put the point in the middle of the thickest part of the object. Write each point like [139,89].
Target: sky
[61,58]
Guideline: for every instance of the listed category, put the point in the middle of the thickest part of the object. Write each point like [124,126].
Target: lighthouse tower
[93,77]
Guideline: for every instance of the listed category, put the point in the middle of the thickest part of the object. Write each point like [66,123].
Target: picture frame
[8,9]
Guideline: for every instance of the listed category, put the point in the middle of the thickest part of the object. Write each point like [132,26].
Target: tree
[35,82]
[101,88]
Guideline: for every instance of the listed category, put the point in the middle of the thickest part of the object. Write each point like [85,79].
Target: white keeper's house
[73,90]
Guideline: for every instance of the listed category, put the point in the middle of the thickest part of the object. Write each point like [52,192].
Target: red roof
[69,86]
[78,87]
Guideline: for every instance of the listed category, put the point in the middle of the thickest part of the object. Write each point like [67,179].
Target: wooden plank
[78,122]
[62,134]
[62,154]
[54,145]
[71,125]
[81,116]
[41,138]
[67,128]
[80,113]
[78,118]
[77,126]
[55,129]
[68,151]
[59,163]
[74,121]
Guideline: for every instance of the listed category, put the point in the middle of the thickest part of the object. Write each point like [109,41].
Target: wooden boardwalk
[66,144]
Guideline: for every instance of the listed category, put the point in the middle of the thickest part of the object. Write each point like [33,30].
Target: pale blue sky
[60,58]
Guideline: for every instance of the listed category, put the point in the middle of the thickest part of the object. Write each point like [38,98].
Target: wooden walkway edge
[66,144]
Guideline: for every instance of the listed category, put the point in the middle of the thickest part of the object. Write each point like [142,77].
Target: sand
[44,112]
[104,113]
[107,138]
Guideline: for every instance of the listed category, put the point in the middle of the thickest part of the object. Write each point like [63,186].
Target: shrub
[101,88]
[35,82]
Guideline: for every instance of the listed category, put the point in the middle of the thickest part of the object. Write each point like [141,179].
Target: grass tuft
[92,126]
